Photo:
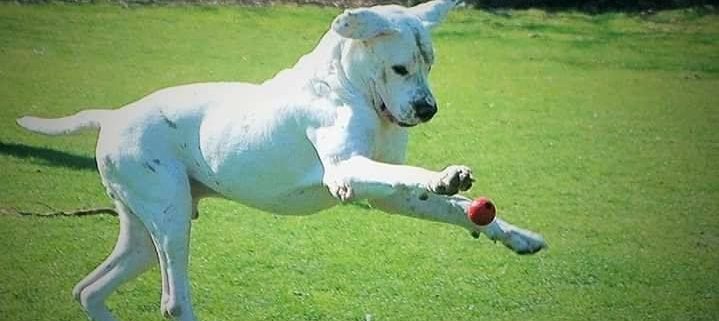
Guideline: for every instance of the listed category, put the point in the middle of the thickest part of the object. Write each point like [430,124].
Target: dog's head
[390,54]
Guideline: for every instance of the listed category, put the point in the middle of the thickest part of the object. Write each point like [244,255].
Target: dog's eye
[400,70]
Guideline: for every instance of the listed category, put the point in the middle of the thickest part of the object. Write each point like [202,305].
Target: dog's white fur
[332,128]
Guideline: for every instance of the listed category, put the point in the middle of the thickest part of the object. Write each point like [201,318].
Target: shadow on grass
[48,156]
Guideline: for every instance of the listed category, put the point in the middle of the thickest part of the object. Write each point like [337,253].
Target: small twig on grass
[54,213]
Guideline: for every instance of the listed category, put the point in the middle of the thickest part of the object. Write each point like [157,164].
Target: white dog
[333,128]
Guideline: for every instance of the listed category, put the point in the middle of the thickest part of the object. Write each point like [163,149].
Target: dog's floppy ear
[362,23]
[432,13]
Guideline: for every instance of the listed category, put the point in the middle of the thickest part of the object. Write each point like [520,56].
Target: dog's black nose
[424,109]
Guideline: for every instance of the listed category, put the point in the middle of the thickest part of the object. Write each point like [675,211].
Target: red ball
[481,211]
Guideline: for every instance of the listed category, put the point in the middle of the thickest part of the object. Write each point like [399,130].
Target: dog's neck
[322,73]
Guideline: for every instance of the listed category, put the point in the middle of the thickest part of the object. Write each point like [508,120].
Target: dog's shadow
[48,156]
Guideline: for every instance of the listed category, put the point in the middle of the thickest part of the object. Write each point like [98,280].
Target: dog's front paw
[517,239]
[523,241]
[341,191]
[452,180]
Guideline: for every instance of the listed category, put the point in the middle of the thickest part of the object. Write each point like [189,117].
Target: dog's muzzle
[424,109]
[388,115]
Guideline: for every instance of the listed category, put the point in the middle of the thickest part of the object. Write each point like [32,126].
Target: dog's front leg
[362,178]
[453,210]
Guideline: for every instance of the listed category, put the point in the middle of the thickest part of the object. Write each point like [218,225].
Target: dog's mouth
[384,112]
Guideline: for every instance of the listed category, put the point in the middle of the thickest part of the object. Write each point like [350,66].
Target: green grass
[600,132]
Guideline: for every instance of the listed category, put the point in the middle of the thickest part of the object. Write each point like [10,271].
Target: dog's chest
[263,162]
[390,145]
[265,159]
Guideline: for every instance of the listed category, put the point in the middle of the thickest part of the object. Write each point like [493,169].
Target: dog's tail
[91,118]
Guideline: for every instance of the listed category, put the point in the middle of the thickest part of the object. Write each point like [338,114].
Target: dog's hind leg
[156,188]
[162,199]
[133,254]
[171,235]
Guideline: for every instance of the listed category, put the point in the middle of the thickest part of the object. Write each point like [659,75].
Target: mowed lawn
[600,132]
